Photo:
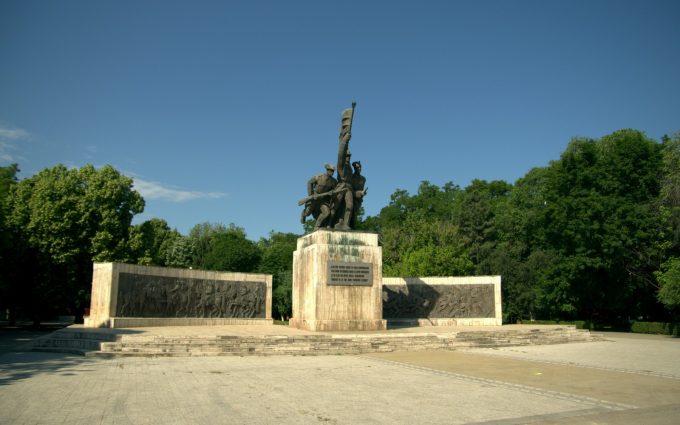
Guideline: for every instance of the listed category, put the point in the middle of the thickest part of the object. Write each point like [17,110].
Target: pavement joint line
[580,365]
[519,387]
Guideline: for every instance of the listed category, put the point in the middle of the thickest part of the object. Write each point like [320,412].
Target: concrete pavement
[625,380]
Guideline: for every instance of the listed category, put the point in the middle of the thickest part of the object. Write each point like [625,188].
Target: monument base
[338,325]
[143,322]
[337,282]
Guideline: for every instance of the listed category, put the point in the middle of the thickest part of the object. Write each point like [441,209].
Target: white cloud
[12,133]
[90,151]
[154,190]
[8,136]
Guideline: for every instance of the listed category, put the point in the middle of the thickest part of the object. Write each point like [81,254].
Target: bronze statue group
[334,203]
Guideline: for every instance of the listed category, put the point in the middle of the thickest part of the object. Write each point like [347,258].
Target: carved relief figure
[155,296]
[426,301]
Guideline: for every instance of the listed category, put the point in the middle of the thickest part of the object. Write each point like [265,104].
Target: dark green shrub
[655,328]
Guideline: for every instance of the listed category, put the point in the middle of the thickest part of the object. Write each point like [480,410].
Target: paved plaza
[627,379]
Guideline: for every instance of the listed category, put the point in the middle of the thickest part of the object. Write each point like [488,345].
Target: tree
[8,261]
[282,294]
[668,274]
[201,237]
[669,198]
[151,241]
[434,261]
[277,260]
[179,252]
[231,251]
[515,254]
[669,278]
[598,216]
[477,216]
[65,219]
[419,234]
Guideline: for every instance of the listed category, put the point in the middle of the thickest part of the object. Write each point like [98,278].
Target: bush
[580,324]
[655,328]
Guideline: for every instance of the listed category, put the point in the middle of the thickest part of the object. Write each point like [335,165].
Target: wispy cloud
[8,138]
[155,190]
[90,151]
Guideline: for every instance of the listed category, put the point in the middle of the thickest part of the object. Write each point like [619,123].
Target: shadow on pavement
[17,366]
[13,338]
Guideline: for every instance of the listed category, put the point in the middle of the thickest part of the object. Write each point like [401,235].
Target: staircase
[74,341]
[100,343]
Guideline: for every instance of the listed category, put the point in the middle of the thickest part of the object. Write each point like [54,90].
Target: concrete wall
[448,301]
[127,295]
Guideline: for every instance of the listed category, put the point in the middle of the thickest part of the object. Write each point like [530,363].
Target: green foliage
[179,252]
[282,298]
[480,203]
[231,251]
[670,191]
[412,225]
[8,178]
[70,213]
[669,279]
[658,328]
[433,261]
[8,246]
[598,216]
[61,220]
[200,238]
[277,260]
[578,324]
[277,252]
[151,242]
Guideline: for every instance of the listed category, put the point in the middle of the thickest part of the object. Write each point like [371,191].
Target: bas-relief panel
[438,301]
[160,296]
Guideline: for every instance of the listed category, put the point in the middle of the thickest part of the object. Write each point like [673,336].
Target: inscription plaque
[350,274]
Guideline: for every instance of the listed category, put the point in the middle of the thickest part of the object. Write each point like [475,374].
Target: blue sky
[221,110]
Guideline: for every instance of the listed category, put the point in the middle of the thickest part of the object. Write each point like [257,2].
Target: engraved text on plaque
[350,274]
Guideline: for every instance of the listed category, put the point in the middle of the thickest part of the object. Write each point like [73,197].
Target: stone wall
[337,280]
[451,301]
[126,295]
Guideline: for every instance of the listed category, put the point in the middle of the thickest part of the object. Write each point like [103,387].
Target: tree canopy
[60,221]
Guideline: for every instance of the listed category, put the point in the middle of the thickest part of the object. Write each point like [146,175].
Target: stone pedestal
[337,282]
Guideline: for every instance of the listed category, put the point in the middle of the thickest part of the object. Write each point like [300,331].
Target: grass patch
[658,328]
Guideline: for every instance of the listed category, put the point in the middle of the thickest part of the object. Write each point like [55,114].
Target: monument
[443,301]
[130,295]
[337,271]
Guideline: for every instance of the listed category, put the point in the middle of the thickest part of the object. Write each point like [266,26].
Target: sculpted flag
[346,120]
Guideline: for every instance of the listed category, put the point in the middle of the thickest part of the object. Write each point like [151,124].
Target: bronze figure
[320,197]
[335,203]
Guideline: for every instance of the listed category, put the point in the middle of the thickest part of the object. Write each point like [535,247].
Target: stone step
[80,344]
[70,341]
[104,344]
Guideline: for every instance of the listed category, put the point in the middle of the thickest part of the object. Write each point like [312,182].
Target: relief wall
[162,296]
[422,300]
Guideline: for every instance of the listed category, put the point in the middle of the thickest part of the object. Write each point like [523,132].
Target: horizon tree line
[593,235]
